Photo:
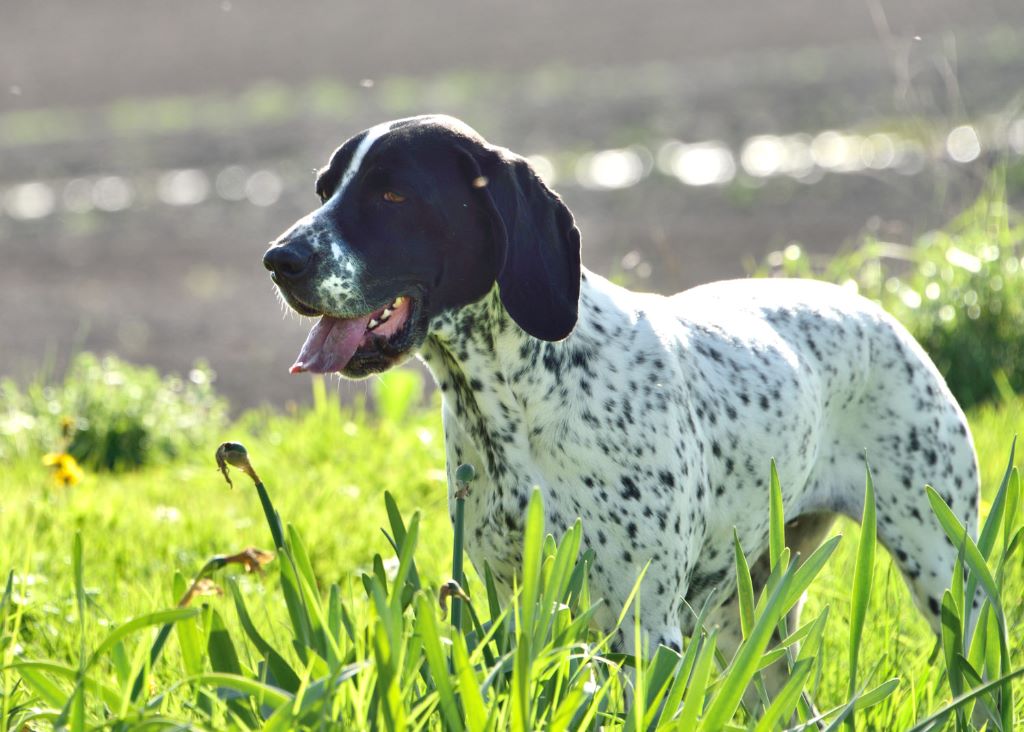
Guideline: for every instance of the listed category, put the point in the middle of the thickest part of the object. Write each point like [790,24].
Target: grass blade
[262,693]
[37,675]
[744,665]
[975,561]
[862,579]
[938,718]
[989,532]
[878,694]
[399,532]
[5,600]
[469,686]
[776,518]
[1013,496]
[784,704]
[160,617]
[693,701]
[533,542]
[952,641]
[430,635]
[810,568]
[284,676]
[744,587]
[973,557]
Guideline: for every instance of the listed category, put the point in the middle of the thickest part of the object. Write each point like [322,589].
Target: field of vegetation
[140,590]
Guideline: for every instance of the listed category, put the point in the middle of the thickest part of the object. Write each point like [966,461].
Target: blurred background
[150,150]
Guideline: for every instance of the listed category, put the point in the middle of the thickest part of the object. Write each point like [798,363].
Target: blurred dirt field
[149,151]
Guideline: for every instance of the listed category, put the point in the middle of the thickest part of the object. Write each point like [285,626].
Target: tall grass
[381,653]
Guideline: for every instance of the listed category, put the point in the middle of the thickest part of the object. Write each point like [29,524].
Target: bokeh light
[183,187]
[28,201]
[610,169]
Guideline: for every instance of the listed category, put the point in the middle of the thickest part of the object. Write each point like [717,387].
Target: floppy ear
[539,246]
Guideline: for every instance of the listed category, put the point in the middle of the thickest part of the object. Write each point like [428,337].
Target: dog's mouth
[360,345]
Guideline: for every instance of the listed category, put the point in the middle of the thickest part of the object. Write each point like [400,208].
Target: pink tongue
[330,345]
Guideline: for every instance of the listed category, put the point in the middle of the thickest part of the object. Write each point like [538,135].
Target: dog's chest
[618,481]
[496,503]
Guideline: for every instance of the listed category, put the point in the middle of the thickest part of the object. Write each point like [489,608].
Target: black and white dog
[652,418]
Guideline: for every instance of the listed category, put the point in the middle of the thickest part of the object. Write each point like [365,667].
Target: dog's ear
[538,244]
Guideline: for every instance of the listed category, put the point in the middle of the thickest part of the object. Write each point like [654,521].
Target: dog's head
[420,216]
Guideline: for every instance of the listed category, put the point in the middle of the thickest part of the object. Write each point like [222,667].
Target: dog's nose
[290,260]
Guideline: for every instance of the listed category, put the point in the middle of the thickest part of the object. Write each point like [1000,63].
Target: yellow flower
[66,470]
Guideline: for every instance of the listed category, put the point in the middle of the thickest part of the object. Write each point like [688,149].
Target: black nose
[290,260]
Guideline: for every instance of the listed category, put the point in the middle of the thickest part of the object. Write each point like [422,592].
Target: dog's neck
[497,380]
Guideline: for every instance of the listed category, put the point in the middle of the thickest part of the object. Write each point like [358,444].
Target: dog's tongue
[330,344]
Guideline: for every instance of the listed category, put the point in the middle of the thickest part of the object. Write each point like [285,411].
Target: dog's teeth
[398,301]
[373,324]
[385,314]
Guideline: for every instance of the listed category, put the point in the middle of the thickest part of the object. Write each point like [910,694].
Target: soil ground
[135,91]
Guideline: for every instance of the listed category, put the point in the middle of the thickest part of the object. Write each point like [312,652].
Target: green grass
[110,415]
[142,535]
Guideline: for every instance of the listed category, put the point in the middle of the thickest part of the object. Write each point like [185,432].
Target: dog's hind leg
[911,533]
[803,535]
[911,433]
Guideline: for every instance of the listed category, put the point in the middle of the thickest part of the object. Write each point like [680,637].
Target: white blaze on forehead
[317,223]
[372,135]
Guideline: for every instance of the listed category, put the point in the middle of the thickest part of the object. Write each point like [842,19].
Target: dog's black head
[421,216]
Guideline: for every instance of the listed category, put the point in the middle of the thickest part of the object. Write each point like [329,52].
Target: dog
[651,418]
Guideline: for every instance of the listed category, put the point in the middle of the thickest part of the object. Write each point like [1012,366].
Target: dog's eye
[392,197]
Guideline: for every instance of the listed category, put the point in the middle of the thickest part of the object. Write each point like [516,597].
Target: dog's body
[651,418]
[654,421]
